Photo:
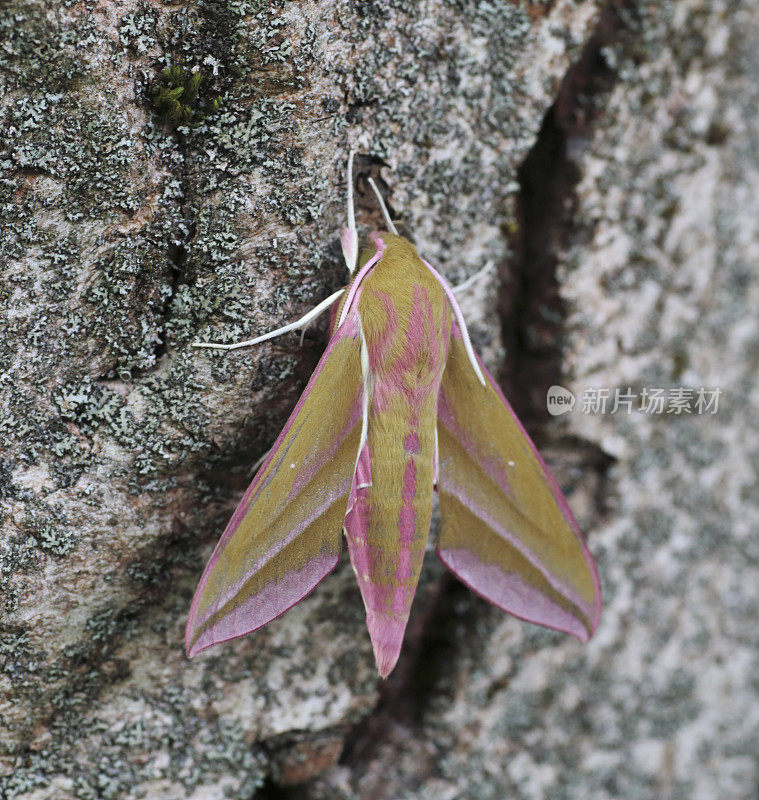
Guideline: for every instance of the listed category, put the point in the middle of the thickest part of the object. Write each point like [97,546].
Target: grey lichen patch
[158,425]
[137,28]
[214,253]
[19,554]
[245,39]
[48,534]
[172,426]
[35,431]
[19,658]
[22,663]
[89,149]
[162,736]
[105,625]
[375,13]
[39,47]
[243,136]
[162,741]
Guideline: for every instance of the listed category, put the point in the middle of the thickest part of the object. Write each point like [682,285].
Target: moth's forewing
[506,529]
[285,535]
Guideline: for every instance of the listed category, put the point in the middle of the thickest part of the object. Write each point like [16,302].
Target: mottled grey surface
[659,272]
[123,451]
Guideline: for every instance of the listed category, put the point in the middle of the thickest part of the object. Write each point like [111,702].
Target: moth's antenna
[381,202]
[349,236]
[351,208]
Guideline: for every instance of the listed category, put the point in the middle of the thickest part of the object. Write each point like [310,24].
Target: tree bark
[605,155]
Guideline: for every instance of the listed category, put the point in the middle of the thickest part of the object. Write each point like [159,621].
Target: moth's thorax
[405,318]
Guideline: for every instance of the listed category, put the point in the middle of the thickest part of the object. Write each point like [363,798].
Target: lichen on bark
[126,237]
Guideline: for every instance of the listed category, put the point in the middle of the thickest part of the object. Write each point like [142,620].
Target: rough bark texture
[605,155]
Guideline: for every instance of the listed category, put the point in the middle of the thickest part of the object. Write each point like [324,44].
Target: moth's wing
[506,530]
[285,535]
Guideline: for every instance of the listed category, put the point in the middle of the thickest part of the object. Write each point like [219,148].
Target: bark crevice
[533,313]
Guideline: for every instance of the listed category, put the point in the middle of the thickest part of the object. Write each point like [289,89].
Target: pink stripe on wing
[558,497]
[251,569]
[568,591]
[349,330]
[594,609]
[510,592]
[493,466]
[272,601]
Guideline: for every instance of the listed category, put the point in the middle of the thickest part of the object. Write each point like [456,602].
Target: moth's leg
[293,326]
[472,279]
[349,235]
[436,463]
[383,207]
[254,469]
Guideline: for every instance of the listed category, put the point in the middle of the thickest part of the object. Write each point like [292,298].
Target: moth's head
[378,241]
[387,244]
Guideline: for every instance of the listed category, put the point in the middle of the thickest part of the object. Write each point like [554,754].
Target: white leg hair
[472,279]
[293,326]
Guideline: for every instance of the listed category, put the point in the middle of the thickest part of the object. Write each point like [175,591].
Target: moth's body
[398,407]
[406,325]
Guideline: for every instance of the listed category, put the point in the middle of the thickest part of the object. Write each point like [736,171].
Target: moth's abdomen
[388,526]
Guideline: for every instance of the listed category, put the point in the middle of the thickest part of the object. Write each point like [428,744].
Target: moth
[398,406]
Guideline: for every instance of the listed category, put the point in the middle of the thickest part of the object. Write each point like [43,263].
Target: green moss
[179,99]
